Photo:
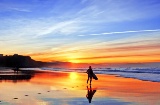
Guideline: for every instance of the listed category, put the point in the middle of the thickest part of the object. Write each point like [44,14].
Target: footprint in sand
[26,95]
[15,98]
[48,91]
[39,93]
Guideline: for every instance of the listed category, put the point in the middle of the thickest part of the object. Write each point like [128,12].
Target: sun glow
[73,76]
[73,58]
[74,61]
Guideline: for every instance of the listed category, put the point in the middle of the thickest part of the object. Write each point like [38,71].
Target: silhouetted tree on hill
[19,61]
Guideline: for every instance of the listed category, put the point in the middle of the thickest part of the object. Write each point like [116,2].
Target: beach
[70,88]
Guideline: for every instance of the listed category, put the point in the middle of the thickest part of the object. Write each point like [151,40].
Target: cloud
[14,6]
[76,49]
[135,42]
[38,54]
[82,20]
[123,32]
[63,28]
[117,56]
[39,27]
[106,11]
[130,48]
[20,9]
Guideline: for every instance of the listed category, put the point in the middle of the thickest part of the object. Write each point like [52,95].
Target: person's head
[90,67]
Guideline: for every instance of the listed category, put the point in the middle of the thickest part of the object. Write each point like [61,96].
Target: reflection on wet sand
[70,89]
[16,76]
[90,93]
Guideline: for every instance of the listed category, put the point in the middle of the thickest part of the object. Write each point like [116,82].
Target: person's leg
[88,79]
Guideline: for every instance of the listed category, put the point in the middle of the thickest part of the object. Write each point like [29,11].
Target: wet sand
[62,88]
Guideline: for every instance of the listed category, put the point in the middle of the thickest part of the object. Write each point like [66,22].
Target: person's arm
[87,71]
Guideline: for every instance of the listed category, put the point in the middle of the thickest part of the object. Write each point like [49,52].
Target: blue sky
[59,28]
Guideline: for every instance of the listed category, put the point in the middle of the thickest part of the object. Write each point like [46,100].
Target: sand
[62,88]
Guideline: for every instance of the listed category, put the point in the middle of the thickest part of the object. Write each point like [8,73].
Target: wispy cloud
[8,6]
[20,9]
[118,11]
[145,47]
[119,56]
[61,28]
[123,32]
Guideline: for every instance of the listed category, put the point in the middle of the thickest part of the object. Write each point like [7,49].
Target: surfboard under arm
[95,77]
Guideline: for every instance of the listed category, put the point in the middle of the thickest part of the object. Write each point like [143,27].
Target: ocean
[145,74]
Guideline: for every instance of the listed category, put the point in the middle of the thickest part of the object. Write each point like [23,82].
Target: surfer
[90,74]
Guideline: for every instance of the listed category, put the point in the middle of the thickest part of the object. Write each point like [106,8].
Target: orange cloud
[100,54]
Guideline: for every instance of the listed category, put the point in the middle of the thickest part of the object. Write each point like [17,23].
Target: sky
[81,31]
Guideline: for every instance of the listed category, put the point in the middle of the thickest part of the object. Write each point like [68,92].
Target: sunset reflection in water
[67,88]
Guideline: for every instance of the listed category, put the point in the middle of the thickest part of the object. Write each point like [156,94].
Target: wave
[145,74]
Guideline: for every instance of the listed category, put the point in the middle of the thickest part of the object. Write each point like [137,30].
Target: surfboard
[94,76]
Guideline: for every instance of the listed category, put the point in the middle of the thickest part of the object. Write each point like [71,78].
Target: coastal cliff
[19,61]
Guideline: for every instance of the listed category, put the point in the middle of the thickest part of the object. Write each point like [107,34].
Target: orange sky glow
[114,54]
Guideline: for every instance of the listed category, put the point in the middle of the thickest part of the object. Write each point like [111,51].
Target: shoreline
[24,72]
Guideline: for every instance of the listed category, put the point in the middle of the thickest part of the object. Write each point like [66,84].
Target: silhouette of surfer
[90,74]
[90,93]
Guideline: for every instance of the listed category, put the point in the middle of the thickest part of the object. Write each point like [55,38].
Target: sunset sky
[81,31]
